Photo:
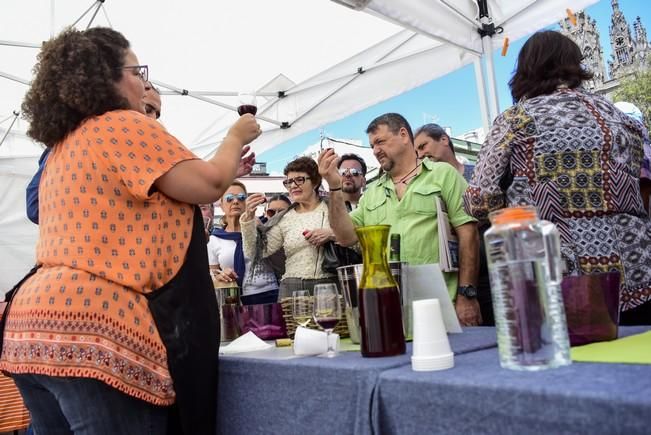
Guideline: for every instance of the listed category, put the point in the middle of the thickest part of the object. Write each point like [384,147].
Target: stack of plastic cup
[431,349]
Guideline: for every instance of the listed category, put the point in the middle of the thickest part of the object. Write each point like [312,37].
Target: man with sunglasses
[352,169]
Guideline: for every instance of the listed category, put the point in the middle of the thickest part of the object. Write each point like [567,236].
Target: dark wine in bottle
[381,322]
[247,108]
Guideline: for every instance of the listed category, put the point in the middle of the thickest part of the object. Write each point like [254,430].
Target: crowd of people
[126,225]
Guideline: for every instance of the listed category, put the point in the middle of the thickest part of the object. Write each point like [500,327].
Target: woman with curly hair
[576,158]
[97,335]
[300,231]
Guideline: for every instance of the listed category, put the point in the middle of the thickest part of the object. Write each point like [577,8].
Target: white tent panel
[225,47]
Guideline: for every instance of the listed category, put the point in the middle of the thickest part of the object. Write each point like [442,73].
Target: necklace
[407,177]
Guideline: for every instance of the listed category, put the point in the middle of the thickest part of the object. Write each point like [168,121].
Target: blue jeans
[268,297]
[85,406]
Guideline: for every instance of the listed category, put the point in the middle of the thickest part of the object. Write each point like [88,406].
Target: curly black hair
[307,165]
[75,78]
[548,59]
[394,121]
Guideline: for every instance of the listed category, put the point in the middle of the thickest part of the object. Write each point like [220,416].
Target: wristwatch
[469,291]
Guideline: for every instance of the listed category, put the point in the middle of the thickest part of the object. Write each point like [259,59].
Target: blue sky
[451,99]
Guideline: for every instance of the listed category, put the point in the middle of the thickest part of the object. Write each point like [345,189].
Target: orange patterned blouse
[106,239]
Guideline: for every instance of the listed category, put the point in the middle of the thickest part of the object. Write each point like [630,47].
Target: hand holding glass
[327,311]
[247,103]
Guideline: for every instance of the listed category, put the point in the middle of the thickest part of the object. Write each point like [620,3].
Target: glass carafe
[379,300]
[524,263]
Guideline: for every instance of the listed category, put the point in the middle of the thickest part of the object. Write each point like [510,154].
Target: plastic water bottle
[524,263]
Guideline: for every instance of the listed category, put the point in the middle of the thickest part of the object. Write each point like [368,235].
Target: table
[477,396]
[312,395]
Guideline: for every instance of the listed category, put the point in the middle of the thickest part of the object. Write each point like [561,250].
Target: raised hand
[252,203]
[328,161]
[246,129]
[246,162]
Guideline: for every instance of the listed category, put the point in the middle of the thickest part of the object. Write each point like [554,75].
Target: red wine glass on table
[247,103]
[327,311]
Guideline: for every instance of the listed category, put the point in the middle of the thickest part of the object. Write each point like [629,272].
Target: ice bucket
[228,303]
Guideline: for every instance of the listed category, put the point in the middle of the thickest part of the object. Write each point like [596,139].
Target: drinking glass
[327,311]
[301,309]
[247,103]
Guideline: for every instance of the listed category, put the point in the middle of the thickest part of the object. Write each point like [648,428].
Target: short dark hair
[394,121]
[75,78]
[436,132]
[280,197]
[307,165]
[355,157]
[547,60]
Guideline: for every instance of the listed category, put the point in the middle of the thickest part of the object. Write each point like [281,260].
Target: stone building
[630,49]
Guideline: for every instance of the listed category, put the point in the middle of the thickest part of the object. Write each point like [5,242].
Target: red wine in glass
[327,322]
[247,108]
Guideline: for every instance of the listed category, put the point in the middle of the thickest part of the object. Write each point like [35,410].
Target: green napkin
[635,349]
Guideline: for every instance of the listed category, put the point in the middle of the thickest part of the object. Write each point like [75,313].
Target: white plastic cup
[312,342]
[431,348]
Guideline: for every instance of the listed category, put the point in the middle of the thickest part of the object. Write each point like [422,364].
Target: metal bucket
[349,277]
[228,303]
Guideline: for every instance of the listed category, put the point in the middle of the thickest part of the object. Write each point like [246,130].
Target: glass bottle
[524,264]
[379,299]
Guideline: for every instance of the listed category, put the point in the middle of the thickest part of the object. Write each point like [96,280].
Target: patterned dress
[576,158]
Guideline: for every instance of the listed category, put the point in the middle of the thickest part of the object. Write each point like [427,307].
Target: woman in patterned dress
[119,236]
[577,158]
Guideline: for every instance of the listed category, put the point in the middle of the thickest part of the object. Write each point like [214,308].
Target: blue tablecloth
[477,396]
[312,395]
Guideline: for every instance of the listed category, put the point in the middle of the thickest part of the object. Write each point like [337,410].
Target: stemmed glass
[327,311]
[301,309]
[247,103]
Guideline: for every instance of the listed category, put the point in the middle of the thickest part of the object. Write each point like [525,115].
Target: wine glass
[247,103]
[327,311]
[301,309]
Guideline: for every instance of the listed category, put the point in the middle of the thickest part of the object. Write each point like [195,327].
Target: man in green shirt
[404,197]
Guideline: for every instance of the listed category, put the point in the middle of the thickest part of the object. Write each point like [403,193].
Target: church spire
[615,5]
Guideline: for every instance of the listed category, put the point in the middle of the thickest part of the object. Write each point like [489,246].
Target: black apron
[185,313]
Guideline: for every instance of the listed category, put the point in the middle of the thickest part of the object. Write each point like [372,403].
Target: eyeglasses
[271,212]
[350,172]
[149,109]
[143,71]
[299,181]
[229,197]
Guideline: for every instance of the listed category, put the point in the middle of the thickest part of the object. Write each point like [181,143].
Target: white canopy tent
[312,62]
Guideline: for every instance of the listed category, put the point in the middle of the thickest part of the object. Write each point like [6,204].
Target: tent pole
[9,129]
[486,32]
[481,92]
[493,102]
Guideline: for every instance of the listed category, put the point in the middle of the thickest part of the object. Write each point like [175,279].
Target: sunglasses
[350,172]
[299,181]
[272,211]
[142,70]
[229,197]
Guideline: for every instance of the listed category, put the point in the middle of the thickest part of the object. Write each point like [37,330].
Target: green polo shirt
[414,217]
